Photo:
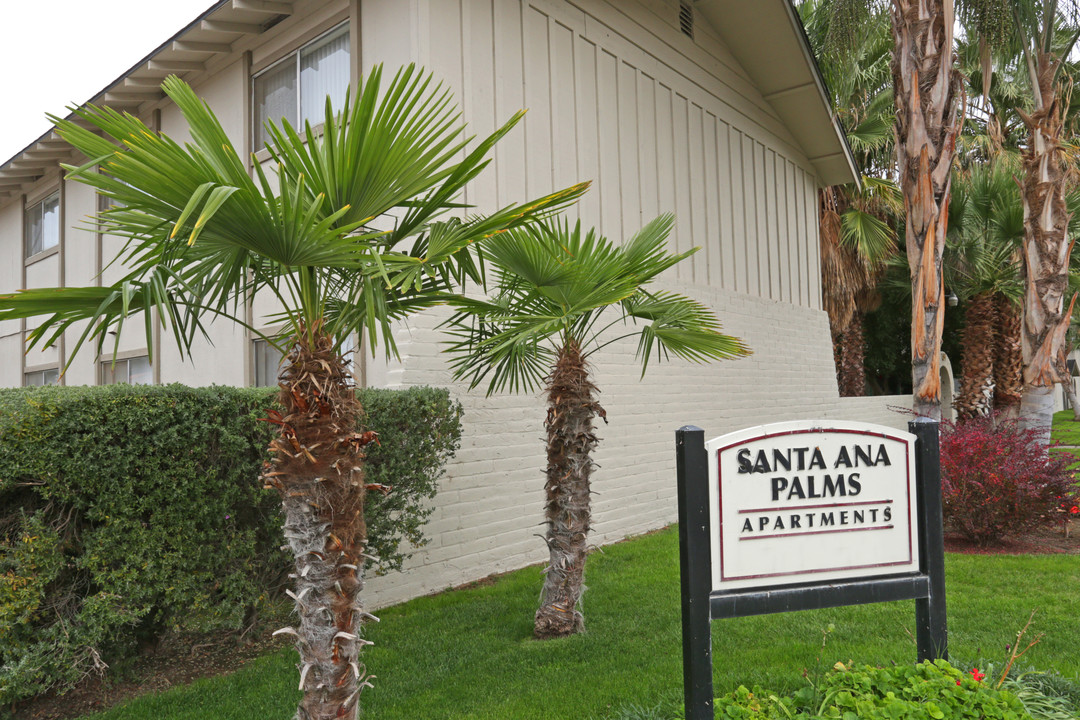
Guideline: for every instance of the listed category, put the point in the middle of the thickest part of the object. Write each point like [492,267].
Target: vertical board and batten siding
[658,123]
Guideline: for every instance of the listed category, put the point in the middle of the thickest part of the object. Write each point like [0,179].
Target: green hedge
[127,512]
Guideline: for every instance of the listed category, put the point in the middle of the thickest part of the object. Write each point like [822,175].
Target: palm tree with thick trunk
[926,94]
[856,222]
[351,234]
[559,294]
[983,269]
[1042,34]
[926,89]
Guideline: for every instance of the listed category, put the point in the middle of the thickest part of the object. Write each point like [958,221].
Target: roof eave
[787,74]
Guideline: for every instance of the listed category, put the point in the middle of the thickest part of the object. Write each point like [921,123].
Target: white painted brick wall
[489,509]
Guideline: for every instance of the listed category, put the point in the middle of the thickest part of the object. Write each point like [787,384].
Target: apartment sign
[801,502]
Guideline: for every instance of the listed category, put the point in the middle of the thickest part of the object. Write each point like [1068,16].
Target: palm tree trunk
[1008,361]
[977,358]
[837,353]
[317,468]
[852,370]
[1045,256]
[570,442]
[1069,386]
[925,92]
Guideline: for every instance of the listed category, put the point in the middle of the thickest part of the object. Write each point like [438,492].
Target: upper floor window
[43,225]
[295,87]
[134,371]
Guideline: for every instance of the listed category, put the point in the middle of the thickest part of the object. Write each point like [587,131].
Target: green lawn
[468,654]
[1065,430]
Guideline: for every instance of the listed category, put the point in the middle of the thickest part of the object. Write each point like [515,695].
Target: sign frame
[744,492]
[701,603]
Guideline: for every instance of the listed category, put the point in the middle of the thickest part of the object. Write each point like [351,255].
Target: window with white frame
[295,88]
[43,225]
[133,371]
[37,378]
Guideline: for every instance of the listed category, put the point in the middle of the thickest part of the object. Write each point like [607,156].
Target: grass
[1064,429]
[467,654]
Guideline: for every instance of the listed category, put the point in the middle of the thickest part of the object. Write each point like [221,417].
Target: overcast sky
[55,53]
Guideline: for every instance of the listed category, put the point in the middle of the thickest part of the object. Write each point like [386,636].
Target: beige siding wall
[656,132]
[675,128]
[11,262]
[660,131]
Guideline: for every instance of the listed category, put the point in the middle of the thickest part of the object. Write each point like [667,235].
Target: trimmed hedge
[127,512]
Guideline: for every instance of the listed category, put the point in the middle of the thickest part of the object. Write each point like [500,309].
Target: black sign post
[700,605]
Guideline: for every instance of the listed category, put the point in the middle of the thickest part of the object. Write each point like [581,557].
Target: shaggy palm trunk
[1046,254]
[851,368]
[977,358]
[317,468]
[925,92]
[836,351]
[570,442]
[1008,361]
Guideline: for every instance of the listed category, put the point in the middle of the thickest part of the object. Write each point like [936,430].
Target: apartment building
[711,109]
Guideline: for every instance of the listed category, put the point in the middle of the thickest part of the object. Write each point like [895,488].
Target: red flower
[1074,509]
[977,675]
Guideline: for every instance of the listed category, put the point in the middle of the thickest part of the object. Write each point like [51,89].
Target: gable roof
[786,73]
[783,68]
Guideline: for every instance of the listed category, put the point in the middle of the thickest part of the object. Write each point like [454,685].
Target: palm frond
[553,282]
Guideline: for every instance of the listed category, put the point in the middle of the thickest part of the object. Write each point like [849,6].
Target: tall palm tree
[989,152]
[926,89]
[204,235]
[856,240]
[549,312]
[926,93]
[982,265]
[856,222]
[1042,33]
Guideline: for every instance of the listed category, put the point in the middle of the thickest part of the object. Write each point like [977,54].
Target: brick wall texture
[488,512]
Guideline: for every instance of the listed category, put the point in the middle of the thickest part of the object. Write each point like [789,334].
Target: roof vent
[686,18]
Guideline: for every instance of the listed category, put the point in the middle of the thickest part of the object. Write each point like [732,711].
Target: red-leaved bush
[997,480]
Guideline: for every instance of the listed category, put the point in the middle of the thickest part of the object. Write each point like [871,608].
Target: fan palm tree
[1042,33]
[982,262]
[856,222]
[856,240]
[554,285]
[203,235]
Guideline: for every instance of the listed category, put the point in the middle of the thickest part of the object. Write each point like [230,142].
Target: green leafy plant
[558,288]
[129,512]
[934,690]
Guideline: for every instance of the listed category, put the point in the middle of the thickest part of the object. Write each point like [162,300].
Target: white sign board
[811,501]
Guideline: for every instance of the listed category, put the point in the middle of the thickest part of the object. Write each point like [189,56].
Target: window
[43,225]
[133,371]
[295,87]
[38,378]
[268,361]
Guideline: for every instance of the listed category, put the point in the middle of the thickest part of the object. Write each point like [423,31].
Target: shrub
[127,512]
[998,479]
[905,692]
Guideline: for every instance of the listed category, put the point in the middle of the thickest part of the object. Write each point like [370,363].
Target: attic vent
[686,18]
